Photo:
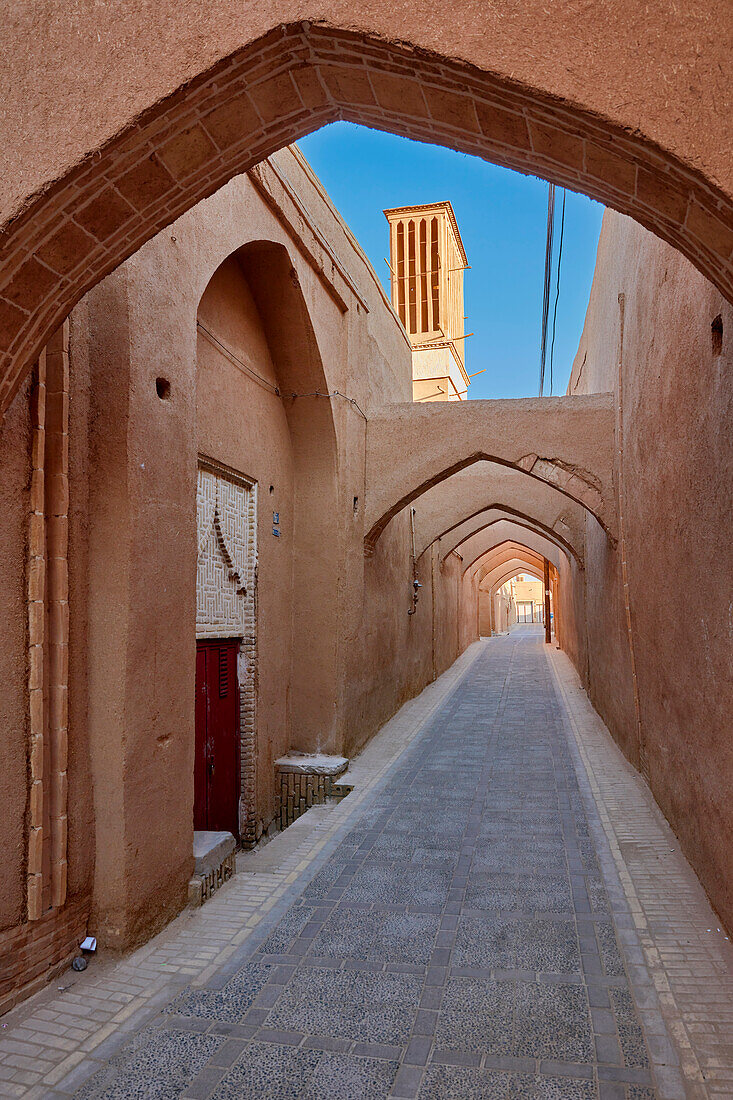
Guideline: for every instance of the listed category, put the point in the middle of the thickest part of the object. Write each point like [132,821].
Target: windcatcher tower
[427,261]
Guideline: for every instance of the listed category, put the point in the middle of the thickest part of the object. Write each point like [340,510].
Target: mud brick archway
[504,555]
[467,501]
[566,443]
[504,517]
[509,535]
[94,168]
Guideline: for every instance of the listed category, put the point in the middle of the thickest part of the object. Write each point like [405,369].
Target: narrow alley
[497,911]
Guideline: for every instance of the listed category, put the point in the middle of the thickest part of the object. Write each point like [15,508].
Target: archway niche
[257,358]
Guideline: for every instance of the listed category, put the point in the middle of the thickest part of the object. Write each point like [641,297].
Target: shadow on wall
[655,646]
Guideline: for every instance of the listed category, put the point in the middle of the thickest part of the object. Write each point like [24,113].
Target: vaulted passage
[463,933]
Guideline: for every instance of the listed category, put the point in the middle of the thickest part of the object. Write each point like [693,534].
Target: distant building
[528,595]
[427,261]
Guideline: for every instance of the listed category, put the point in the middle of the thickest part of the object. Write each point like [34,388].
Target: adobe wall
[570,621]
[486,614]
[153,54]
[80,808]
[468,625]
[675,461]
[388,644]
[397,653]
[454,610]
[31,951]
[216,409]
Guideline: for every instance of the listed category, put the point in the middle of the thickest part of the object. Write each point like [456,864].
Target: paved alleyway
[465,934]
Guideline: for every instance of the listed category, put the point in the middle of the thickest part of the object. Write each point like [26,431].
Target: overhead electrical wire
[557,285]
[264,382]
[547,281]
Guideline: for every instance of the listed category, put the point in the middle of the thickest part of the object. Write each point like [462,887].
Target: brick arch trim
[67,236]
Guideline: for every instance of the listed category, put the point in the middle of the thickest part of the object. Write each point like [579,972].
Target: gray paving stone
[407,1081]
[519,893]
[322,883]
[269,1072]
[461,940]
[448,1082]
[394,937]
[476,1015]
[157,1065]
[364,1006]
[613,964]
[350,1078]
[535,855]
[204,1084]
[553,1021]
[398,884]
[292,924]
[230,1003]
[495,941]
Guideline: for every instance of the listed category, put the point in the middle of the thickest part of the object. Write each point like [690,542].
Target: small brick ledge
[307,780]
[215,863]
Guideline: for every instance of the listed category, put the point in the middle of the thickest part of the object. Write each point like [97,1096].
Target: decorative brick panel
[226,579]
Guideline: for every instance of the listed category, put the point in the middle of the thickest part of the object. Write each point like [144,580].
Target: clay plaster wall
[636,118]
[398,653]
[215,408]
[493,618]
[25,949]
[454,609]
[570,623]
[675,461]
[80,808]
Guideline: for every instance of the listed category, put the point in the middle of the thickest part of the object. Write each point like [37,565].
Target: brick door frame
[231,612]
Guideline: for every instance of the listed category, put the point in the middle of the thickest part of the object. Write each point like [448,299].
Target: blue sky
[502,218]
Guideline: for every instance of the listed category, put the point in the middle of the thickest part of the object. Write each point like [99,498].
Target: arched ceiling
[503,572]
[446,511]
[565,442]
[461,539]
[505,542]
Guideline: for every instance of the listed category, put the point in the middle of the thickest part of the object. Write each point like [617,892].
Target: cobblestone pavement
[471,922]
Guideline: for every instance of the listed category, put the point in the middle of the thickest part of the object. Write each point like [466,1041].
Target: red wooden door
[215,804]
